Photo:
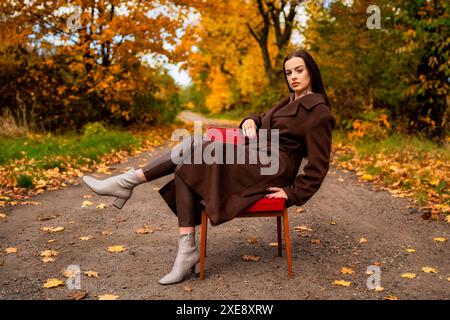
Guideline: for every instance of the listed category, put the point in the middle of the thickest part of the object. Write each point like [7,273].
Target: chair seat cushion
[267,204]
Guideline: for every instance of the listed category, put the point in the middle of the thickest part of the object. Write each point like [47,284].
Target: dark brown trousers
[187,200]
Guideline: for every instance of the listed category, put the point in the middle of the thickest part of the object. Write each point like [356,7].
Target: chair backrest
[227,135]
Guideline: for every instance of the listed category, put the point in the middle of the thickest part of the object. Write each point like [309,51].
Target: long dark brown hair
[313,70]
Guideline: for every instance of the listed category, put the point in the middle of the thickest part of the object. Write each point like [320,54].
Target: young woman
[304,122]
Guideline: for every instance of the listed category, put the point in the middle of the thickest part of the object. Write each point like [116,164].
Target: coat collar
[291,105]
[308,100]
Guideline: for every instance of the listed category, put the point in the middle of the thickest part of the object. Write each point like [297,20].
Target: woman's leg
[188,255]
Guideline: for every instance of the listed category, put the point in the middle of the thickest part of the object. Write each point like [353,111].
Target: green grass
[396,143]
[46,149]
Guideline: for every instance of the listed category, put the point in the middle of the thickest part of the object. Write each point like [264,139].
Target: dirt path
[339,215]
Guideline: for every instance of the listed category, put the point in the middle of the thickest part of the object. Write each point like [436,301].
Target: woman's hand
[249,128]
[278,193]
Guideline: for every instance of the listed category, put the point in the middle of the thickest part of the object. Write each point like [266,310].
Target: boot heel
[196,269]
[119,203]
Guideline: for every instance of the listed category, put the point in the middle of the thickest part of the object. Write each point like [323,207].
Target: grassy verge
[35,163]
[404,165]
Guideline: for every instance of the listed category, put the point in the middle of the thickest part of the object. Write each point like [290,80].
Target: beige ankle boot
[187,259]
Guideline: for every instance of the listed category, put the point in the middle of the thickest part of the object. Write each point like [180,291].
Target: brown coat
[305,126]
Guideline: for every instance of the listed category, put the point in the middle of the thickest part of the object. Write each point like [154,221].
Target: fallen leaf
[86,238]
[86,203]
[440,239]
[45,218]
[390,298]
[346,270]
[2,216]
[78,295]
[379,289]
[315,241]
[333,223]
[11,250]
[116,249]
[362,240]
[250,258]
[87,196]
[53,283]
[299,210]
[429,270]
[107,297]
[273,244]
[156,188]
[47,259]
[92,274]
[106,232]
[52,229]
[411,250]
[341,180]
[342,283]
[144,230]
[187,289]
[252,240]
[102,206]
[49,253]
[302,228]
[367,177]
[69,273]
[51,240]
[408,275]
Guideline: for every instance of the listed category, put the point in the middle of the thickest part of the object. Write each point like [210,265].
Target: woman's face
[297,75]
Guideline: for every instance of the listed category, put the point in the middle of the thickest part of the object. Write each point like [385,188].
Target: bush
[25,181]
[93,128]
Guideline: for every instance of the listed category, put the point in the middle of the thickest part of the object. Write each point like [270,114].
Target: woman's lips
[294,84]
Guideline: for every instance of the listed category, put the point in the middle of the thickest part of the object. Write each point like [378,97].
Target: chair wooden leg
[203,244]
[288,242]
[280,241]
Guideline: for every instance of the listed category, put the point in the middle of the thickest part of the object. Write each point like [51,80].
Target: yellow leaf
[92,274]
[47,259]
[379,289]
[187,289]
[53,283]
[2,216]
[102,206]
[362,240]
[342,283]
[11,250]
[250,258]
[333,223]
[52,229]
[108,297]
[390,298]
[299,210]
[273,244]
[49,253]
[86,203]
[85,238]
[429,270]
[367,177]
[116,248]
[144,230]
[346,270]
[408,275]
[252,240]
[315,241]
[69,273]
[106,232]
[411,250]
[440,239]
